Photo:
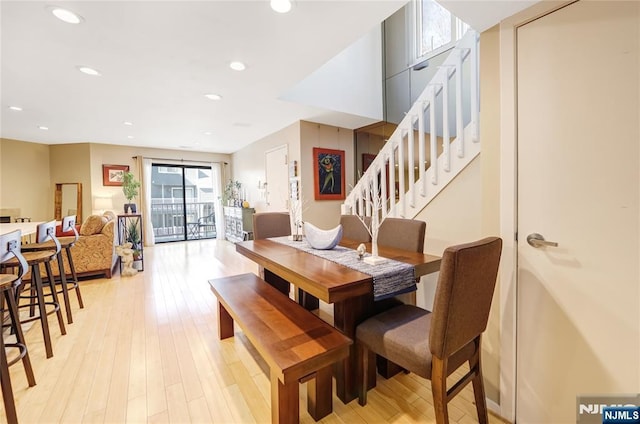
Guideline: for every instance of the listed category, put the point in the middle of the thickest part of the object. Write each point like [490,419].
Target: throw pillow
[92,225]
[70,233]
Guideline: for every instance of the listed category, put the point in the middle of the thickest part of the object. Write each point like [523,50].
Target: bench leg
[319,393]
[285,408]
[225,323]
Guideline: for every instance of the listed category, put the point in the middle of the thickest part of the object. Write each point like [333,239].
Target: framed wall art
[112,175]
[328,174]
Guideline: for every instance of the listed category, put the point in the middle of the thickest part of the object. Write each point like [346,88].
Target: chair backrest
[354,229]
[463,296]
[69,224]
[271,224]
[47,231]
[10,248]
[407,234]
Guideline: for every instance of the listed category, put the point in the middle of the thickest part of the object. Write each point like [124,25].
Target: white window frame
[458,29]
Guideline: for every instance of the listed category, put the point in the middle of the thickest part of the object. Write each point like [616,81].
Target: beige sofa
[94,252]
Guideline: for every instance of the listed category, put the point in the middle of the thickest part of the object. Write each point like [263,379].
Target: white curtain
[216,176]
[144,171]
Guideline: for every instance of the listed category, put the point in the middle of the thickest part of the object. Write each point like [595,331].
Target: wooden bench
[295,343]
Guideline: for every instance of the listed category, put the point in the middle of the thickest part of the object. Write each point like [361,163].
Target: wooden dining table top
[327,280]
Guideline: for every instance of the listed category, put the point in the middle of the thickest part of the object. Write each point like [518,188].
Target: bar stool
[10,247]
[45,231]
[68,224]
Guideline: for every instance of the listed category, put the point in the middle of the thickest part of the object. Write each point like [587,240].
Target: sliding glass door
[182,203]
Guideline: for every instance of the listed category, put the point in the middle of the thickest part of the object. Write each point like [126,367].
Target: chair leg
[478,385]
[65,287]
[439,389]
[54,296]
[76,283]
[20,341]
[7,390]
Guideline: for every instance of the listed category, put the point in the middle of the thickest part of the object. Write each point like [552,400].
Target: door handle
[537,240]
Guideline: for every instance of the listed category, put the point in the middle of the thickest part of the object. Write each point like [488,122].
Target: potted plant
[231,193]
[130,188]
[133,237]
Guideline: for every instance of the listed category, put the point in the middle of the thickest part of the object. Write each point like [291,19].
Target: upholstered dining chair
[354,229]
[434,345]
[272,224]
[401,233]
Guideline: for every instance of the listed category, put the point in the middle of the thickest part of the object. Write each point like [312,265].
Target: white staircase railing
[454,86]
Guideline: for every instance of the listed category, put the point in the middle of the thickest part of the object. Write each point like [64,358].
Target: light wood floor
[145,349]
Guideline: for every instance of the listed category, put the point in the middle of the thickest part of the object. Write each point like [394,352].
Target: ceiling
[159,58]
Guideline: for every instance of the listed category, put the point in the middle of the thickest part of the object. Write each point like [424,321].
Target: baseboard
[495,410]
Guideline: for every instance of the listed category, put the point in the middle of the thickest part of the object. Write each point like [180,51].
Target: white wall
[248,164]
[351,82]
[323,213]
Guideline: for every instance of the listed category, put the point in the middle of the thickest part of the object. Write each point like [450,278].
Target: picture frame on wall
[328,174]
[113,175]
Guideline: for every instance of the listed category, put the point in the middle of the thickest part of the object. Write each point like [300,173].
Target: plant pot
[130,207]
[137,265]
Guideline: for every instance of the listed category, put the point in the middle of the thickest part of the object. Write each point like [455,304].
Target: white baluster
[401,178]
[411,163]
[459,122]
[421,151]
[434,134]
[392,180]
[473,66]
[446,142]
[383,182]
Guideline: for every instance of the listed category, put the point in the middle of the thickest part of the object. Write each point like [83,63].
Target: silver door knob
[536,240]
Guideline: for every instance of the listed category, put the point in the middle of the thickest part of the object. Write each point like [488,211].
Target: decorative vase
[130,208]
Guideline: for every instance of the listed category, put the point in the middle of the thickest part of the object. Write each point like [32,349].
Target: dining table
[349,291]
[26,228]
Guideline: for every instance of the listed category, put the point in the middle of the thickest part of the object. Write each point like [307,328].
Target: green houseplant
[130,188]
[133,237]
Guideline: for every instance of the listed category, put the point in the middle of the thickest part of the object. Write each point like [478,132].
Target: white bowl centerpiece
[322,239]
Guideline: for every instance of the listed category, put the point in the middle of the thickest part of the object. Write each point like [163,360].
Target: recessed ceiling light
[212,96]
[42,127]
[207,133]
[237,66]
[130,137]
[127,123]
[17,108]
[65,15]
[89,71]
[281,6]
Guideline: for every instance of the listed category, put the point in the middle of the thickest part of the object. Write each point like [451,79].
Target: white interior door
[277,180]
[578,325]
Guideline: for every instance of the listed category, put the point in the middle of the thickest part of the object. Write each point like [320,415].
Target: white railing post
[422,155]
[383,181]
[445,121]
[434,136]
[473,67]
[401,178]
[392,179]
[411,163]
[459,122]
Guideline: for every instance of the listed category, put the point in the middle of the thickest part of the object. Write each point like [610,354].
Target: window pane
[435,26]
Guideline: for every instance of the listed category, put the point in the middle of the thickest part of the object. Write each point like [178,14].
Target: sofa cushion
[60,233]
[92,225]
